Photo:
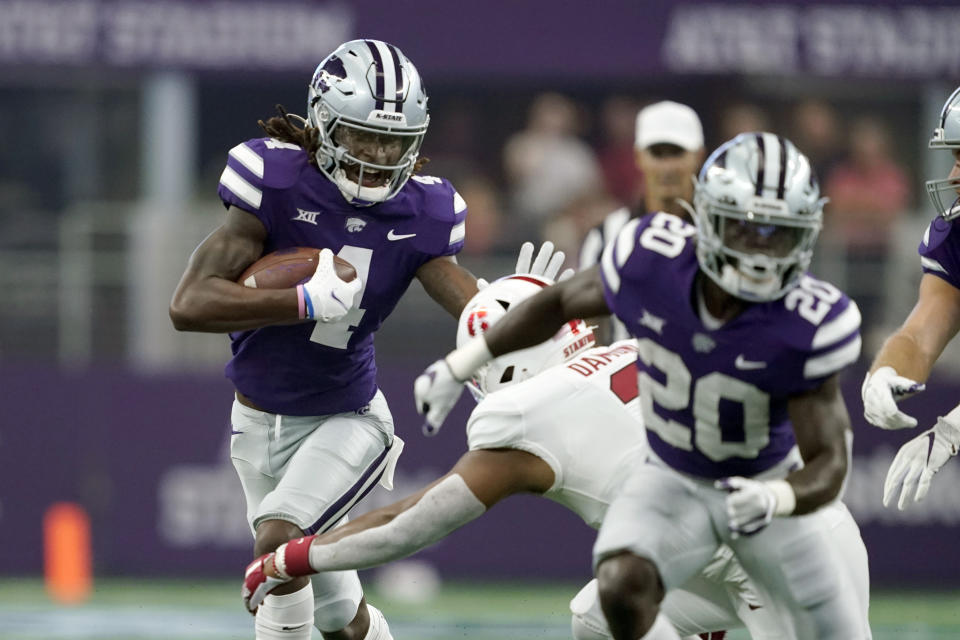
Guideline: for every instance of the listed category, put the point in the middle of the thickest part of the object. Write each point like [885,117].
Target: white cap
[670,123]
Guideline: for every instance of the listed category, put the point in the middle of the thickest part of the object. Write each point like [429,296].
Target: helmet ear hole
[507,375]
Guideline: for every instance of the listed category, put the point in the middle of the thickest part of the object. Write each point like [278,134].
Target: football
[289,267]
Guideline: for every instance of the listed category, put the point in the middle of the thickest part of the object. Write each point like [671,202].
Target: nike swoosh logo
[743,363]
[296,628]
[398,236]
[234,432]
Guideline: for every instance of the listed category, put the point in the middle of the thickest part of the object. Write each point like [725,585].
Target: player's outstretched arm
[208,297]
[908,355]
[529,323]
[479,480]
[540,317]
[820,422]
[449,284]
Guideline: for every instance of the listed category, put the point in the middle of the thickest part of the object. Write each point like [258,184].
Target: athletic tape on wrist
[301,304]
[463,362]
[786,497]
[279,564]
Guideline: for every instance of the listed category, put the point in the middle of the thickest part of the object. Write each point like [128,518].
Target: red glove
[257,584]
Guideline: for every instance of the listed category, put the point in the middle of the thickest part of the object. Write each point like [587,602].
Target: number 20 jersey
[714,401]
[316,368]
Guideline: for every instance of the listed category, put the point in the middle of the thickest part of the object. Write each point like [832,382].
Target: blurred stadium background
[115,120]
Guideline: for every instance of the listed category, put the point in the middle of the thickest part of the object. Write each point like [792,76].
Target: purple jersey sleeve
[940,250]
[641,247]
[259,175]
[819,327]
[444,213]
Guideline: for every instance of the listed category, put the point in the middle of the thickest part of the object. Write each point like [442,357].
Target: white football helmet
[943,193]
[487,307]
[758,211]
[367,93]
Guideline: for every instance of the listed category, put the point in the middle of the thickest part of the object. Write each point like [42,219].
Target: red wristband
[296,558]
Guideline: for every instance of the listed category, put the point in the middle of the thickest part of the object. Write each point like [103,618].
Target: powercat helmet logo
[331,72]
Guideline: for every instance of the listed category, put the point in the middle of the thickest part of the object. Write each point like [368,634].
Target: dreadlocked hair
[421,161]
[283,128]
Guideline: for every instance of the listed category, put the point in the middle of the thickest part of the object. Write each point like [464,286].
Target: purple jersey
[714,401]
[316,368]
[940,250]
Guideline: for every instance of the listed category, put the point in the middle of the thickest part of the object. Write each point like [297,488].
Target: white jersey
[582,418]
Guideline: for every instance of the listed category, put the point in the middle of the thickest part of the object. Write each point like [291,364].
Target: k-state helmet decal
[331,71]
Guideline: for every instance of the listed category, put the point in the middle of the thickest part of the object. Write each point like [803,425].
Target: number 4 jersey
[317,368]
[714,400]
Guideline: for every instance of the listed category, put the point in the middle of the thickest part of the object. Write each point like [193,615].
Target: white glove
[325,297]
[752,504]
[437,389]
[916,462]
[257,584]
[435,392]
[547,264]
[881,391]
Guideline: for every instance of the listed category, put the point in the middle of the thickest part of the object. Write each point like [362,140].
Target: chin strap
[353,191]
[734,281]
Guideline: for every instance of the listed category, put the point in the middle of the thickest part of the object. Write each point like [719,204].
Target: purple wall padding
[147,457]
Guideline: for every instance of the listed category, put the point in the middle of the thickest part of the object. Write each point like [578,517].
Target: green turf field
[211,610]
